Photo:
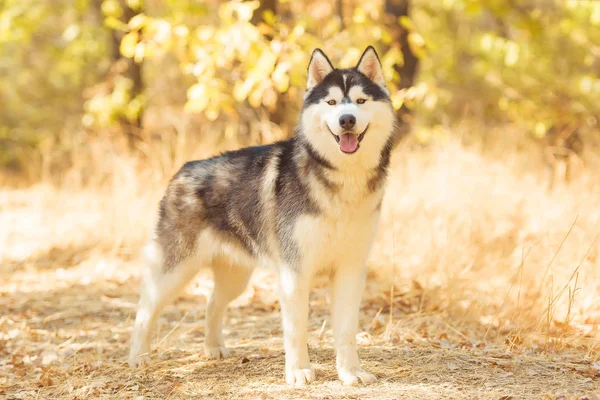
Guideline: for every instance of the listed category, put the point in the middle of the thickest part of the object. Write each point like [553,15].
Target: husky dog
[307,205]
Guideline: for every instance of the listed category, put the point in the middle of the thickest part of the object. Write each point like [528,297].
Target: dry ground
[484,285]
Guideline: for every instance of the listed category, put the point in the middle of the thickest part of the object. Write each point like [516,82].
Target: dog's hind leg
[230,281]
[159,288]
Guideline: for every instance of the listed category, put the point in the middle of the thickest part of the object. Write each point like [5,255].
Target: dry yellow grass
[484,285]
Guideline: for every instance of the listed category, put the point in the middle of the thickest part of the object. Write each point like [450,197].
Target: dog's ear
[318,68]
[370,65]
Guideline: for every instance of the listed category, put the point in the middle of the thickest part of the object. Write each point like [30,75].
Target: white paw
[215,352]
[351,376]
[139,358]
[299,376]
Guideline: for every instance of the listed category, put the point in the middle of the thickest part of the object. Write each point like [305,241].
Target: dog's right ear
[318,68]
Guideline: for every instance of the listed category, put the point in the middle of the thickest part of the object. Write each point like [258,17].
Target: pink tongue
[348,142]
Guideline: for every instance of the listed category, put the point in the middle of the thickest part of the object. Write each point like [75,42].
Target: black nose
[347,121]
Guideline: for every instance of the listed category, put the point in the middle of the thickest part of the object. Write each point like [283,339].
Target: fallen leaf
[45,381]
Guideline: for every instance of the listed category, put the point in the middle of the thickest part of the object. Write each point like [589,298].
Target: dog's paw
[351,376]
[299,376]
[215,352]
[138,359]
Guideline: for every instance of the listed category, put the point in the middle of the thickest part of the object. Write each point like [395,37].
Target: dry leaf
[45,381]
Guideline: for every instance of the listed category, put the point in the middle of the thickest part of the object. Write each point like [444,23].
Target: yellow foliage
[529,64]
[112,8]
[197,98]
[280,76]
[138,21]
[129,43]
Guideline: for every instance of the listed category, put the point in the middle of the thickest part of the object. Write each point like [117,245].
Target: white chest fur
[343,231]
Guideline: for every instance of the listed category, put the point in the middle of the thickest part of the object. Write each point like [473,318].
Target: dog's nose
[347,121]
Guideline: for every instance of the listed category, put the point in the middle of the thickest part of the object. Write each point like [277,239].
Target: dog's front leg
[294,290]
[347,286]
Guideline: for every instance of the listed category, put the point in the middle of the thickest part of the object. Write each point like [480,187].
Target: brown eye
[361,101]
[331,102]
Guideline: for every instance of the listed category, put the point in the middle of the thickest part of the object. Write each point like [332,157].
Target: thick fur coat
[303,206]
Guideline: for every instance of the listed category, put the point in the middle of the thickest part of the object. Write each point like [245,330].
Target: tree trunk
[563,148]
[278,116]
[340,13]
[265,5]
[131,70]
[408,70]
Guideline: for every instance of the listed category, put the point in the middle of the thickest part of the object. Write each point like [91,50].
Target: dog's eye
[331,102]
[361,101]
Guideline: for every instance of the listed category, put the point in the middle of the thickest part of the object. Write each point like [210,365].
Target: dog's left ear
[370,65]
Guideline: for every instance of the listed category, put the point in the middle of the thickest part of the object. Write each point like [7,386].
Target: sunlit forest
[484,278]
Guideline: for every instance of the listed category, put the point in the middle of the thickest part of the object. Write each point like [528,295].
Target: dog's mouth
[349,142]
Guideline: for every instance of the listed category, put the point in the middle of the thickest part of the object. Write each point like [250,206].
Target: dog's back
[247,199]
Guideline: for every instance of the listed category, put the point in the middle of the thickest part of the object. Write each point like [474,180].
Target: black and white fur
[307,205]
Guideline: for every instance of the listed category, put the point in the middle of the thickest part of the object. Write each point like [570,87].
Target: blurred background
[140,72]
[489,239]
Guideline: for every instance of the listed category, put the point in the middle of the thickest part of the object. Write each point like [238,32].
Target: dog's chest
[346,196]
[341,233]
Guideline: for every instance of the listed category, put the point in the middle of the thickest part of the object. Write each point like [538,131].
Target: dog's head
[347,114]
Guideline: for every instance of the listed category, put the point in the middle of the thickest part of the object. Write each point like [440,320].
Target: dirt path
[64,334]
